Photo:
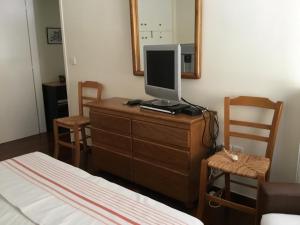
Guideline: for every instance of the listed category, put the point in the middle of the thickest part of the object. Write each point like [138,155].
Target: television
[162,70]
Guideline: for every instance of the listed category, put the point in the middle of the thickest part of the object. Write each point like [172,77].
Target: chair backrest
[83,99]
[254,102]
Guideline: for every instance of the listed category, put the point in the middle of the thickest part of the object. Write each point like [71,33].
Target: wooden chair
[76,124]
[250,166]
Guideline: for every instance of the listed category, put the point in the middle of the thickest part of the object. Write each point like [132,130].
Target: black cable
[213,134]
[202,109]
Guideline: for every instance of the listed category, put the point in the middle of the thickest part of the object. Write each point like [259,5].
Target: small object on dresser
[133,102]
[174,109]
[192,111]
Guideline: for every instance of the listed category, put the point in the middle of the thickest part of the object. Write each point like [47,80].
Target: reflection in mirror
[156,22]
[168,22]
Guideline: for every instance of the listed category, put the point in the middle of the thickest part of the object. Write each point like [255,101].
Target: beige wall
[50,56]
[185,22]
[249,48]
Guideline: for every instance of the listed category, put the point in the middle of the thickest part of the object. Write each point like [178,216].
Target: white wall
[249,48]
[51,56]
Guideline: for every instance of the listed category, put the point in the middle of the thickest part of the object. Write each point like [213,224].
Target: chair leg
[203,187]
[260,179]
[84,141]
[56,139]
[267,177]
[227,186]
[77,147]
[85,147]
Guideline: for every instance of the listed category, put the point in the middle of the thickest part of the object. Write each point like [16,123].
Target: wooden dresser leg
[261,178]
[56,139]
[77,147]
[202,191]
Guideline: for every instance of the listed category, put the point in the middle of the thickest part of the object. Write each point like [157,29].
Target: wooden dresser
[159,151]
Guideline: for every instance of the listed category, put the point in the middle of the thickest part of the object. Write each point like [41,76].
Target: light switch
[74,60]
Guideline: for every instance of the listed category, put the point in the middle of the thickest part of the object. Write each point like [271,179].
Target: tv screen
[163,73]
[160,69]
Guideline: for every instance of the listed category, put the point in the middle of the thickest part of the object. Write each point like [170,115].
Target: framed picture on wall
[54,35]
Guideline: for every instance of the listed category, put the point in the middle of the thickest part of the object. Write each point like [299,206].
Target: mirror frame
[136,44]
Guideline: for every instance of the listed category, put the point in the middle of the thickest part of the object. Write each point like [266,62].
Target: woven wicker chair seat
[246,165]
[74,120]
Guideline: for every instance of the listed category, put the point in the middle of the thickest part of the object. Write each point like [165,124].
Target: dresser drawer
[163,156]
[111,162]
[115,124]
[160,133]
[111,141]
[164,181]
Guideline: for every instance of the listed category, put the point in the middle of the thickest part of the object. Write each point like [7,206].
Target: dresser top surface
[118,104]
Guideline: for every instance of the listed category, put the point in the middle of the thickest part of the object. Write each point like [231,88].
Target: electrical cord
[213,133]
[203,110]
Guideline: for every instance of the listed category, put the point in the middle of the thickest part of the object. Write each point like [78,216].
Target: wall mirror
[167,22]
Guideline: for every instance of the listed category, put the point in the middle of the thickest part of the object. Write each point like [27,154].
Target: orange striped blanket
[51,192]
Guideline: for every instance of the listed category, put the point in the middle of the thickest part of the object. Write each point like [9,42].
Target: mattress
[38,189]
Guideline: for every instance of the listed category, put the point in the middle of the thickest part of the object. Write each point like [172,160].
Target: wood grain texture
[257,102]
[115,107]
[82,97]
[161,134]
[253,101]
[250,124]
[164,156]
[198,41]
[260,165]
[273,132]
[135,38]
[165,181]
[76,152]
[198,152]
[111,141]
[202,189]
[166,149]
[232,205]
[76,123]
[248,136]
[117,164]
[116,124]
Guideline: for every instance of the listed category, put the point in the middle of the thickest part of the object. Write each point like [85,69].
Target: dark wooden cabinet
[55,101]
[159,151]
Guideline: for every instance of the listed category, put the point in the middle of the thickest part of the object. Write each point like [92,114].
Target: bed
[38,189]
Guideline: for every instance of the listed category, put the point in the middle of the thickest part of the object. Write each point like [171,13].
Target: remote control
[133,102]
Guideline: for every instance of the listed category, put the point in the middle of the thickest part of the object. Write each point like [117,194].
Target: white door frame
[65,50]
[35,65]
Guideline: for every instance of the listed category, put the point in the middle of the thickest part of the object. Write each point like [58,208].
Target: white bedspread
[41,190]
[10,215]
